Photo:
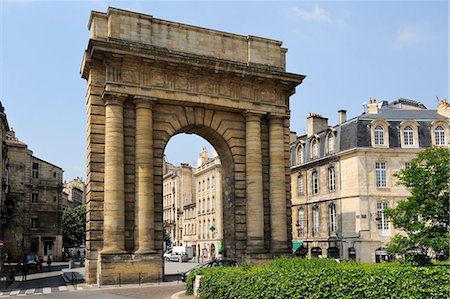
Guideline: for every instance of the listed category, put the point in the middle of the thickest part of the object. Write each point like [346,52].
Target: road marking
[29,291]
[46,290]
[13,293]
[62,288]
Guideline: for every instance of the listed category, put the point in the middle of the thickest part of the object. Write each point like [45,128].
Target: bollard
[159,277]
[119,280]
[139,278]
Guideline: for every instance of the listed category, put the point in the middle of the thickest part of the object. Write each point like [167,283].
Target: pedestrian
[24,270]
[49,262]
[40,262]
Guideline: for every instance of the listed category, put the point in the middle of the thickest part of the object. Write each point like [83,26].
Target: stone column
[114,186]
[144,176]
[278,217]
[254,183]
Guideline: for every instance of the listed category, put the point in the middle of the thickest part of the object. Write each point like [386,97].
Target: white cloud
[316,14]
[410,35]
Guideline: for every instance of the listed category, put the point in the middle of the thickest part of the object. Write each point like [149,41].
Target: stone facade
[149,79]
[75,191]
[342,176]
[207,227]
[33,204]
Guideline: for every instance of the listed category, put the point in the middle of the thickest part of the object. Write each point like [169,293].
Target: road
[50,284]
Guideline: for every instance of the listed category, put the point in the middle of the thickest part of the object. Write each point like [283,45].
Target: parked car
[178,257]
[222,262]
[167,254]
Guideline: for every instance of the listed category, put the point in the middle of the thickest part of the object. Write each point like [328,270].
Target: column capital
[276,118]
[252,114]
[114,98]
[144,102]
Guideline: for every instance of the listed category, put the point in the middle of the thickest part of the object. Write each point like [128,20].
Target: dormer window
[439,132]
[379,135]
[331,143]
[439,135]
[315,149]
[300,154]
[409,133]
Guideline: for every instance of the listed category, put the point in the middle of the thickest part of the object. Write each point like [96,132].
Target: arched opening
[196,186]
[316,252]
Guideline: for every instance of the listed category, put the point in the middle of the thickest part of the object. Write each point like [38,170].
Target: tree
[424,216]
[74,225]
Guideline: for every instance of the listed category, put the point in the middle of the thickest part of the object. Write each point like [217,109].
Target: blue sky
[349,51]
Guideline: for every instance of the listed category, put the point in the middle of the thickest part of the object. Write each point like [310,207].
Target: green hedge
[297,278]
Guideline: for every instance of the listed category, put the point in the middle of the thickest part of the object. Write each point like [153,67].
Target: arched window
[332,212]
[439,135]
[331,143]
[301,223]
[315,148]
[331,179]
[379,135]
[408,135]
[316,223]
[300,154]
[315,182]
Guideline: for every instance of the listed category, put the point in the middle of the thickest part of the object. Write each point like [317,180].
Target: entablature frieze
[168,96]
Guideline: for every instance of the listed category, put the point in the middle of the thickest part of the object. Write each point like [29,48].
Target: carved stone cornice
[114,98]
[144,102]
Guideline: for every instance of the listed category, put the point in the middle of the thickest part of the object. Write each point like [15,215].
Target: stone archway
[151,79]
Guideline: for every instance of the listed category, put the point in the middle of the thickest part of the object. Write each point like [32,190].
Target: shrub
[298,278]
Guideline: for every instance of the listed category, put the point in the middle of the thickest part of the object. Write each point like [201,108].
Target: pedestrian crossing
[40,291]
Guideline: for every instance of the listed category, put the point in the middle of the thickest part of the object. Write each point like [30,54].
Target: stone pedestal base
[129,268]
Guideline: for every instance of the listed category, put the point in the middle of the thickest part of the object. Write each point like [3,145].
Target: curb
[181,295]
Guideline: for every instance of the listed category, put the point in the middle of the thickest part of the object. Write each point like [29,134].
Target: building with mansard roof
[342,176]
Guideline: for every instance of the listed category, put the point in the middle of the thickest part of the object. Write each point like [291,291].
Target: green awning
[296,245]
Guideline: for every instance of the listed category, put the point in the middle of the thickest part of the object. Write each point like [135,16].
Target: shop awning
[296,245]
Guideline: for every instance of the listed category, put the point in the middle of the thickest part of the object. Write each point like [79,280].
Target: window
[199,187]
[316,226]
[439,135]
[300,185]
[331,179]
[209,205]
[315,182]
[213,202]
[379,135]
[380,173]
[54,174]
[203,185]
[34,197]
[315,148]
[54,198]
[35,171]
[213,182]
[330,143]
[407,165]
[34,222]
[301,223]
[300,154]
[209,184]
[408,135]
[382,221]
[332,210]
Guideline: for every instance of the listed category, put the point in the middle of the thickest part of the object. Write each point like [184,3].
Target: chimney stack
[372,107]
[342,115]
[316,123]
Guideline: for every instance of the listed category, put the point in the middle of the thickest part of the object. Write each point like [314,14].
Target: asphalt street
[50,284]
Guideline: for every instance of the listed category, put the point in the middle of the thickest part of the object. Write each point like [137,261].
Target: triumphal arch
[150,79]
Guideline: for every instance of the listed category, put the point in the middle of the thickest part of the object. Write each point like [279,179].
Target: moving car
[222,262]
